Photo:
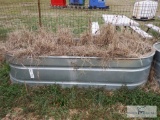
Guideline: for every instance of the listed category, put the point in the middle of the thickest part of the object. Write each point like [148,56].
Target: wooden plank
[119,20]
[141,32]
[153,27]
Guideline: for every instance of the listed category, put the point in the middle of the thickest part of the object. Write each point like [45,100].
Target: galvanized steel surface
[157,61]
[81,71]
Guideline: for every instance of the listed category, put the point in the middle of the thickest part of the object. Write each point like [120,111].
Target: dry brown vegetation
[109,44]
[152,84]
[18,114]
[2,52]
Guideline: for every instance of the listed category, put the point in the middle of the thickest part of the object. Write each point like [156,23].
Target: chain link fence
[17,14]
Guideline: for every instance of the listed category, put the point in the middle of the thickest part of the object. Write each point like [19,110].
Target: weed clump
[110,43]
[2,52]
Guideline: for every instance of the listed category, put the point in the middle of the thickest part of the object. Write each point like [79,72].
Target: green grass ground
[16,14]
[53,102]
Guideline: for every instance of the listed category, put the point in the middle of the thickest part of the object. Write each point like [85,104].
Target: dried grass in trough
[108,45]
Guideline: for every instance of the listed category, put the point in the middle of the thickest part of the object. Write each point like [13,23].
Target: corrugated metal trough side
[157,61]
[80,71]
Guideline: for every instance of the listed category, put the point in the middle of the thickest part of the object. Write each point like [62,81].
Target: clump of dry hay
[109,44]
[152,84]
[2,52]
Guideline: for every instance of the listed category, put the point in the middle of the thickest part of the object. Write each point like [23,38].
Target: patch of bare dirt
[18,114]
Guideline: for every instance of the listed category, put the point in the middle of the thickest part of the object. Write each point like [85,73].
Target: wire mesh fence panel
[17,14]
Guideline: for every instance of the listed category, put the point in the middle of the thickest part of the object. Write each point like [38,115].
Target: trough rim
[152,53]
[154,46]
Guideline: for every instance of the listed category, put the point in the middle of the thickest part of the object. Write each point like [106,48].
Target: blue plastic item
[97,3]
[76,2]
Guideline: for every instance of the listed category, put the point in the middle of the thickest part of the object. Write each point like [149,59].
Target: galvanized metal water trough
[68,71]
[157,61]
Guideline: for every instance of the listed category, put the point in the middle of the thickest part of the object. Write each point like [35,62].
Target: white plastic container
[145,10]
[95,28]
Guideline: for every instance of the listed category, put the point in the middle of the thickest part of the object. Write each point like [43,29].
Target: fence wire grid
[17,14]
